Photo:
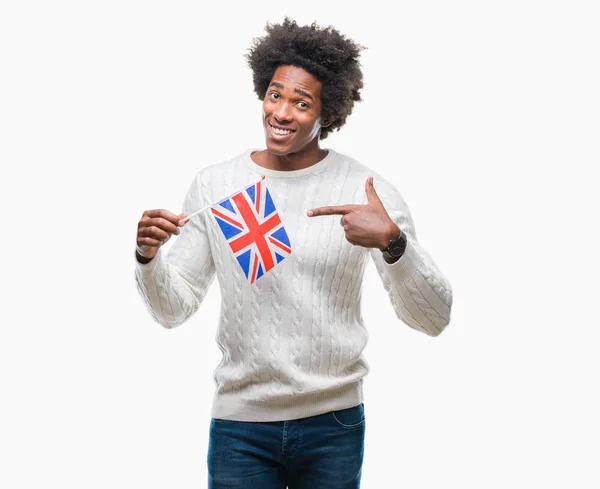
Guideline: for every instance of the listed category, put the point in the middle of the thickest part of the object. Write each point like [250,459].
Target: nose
[282,112]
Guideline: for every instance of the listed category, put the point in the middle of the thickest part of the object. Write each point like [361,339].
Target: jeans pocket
[349,418]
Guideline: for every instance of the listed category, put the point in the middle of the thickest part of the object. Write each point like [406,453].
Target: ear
[326,123]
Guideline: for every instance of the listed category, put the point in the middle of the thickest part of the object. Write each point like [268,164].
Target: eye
[274,95]
[303,105]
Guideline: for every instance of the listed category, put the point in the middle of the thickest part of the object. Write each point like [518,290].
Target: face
[292,111]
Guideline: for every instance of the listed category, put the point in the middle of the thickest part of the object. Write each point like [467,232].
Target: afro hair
[323,52]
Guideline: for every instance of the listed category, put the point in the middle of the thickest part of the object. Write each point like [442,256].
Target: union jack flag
[252,227]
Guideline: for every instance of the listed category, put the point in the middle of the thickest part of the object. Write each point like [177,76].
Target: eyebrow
[297,90]
[303,93]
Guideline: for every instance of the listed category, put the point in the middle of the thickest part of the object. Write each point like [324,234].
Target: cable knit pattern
[299,261]
[338,184]
[279,197]
[293,341]
[316,331]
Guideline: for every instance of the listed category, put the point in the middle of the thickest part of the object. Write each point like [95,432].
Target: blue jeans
[318,452]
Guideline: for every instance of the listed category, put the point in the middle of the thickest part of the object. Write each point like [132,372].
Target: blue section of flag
[260,272]
[279,257]
[244,261]
[252,193]
[269,206]
[228,206]
[229,231]
[282,236]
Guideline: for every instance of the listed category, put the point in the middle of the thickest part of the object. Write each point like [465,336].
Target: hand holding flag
[247,218]
[365,225]
[155,228]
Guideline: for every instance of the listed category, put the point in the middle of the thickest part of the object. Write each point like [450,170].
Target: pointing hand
[366,225]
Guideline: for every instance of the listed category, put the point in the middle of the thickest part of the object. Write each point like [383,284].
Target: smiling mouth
[280,132]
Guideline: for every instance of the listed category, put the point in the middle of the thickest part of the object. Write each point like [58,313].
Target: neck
[289,162]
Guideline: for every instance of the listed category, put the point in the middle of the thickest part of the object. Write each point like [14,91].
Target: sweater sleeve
[174,284]
[420,294]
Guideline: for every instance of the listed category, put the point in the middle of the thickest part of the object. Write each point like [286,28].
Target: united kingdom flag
[252,227]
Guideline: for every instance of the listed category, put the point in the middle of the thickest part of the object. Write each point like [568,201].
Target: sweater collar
[310,170]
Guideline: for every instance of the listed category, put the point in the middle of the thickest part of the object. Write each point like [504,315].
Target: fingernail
[310,213]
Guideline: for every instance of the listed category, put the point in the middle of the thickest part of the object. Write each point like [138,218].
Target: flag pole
[262,177]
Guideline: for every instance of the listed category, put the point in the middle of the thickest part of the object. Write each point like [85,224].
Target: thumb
[372,196]
[182,221]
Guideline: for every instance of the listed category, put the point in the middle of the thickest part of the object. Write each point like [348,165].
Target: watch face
[397,246]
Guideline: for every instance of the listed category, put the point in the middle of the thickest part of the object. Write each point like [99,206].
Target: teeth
[281,131]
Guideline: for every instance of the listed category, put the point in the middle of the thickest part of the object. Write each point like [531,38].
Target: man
[288,408]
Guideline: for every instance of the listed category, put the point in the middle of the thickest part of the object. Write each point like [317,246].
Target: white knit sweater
[292,342]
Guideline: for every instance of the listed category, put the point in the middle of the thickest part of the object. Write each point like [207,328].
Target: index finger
[330,210]
[169,216]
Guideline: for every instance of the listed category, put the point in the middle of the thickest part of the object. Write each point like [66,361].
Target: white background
[485,115]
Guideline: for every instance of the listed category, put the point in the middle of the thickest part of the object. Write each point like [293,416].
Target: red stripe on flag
[258,197]
[282,246]
[253,278]
[226,218]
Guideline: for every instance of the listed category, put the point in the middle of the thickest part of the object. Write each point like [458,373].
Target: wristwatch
[395,247]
